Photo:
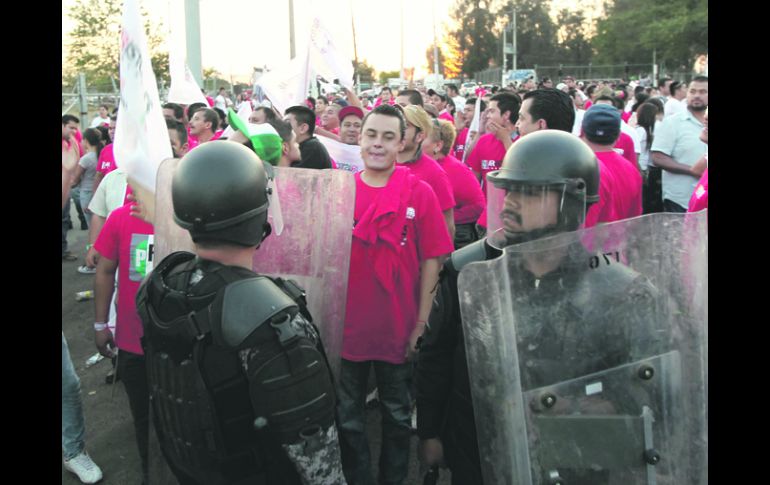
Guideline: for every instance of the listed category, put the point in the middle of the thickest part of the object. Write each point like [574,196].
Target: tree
[632,29]
[574,42]
[385,75]
[536,41]
[429,58]
[474,34]
[364,70]
[95,46]
[451,56]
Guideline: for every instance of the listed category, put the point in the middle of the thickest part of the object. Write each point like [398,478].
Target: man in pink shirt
[398,239]
[106,163]
[125,242]
[601,127]
[501,116]
[700,196]
[418,128]
[439,100]
[203,125]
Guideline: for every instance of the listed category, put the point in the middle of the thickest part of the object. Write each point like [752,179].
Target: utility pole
[353,23]
[505,56]
[193,38]
[402,76]
[435,48]
[291,30]
[514,38]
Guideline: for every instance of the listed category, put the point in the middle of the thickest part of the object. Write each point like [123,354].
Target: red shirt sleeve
[108,242]
[432,238]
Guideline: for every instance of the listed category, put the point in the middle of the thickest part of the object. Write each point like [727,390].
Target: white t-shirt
[578,126]
[99,121]
[220,103]
[110,194]
[624,128]
[644,155]
[673,106]
[459,103]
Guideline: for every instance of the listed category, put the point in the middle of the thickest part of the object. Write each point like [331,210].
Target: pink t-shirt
[445,115]
[106,163]
[487,156]
[627,195]
[466,189]
[700,197]
[626,144]
[129,241]
[460,142]
[378,322]
[603,210]
[210,101]
[427,169]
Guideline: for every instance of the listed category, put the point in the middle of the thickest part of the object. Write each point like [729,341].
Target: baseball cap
[440,94]
[418,117]
[350,110]
[601,124]
[265,140]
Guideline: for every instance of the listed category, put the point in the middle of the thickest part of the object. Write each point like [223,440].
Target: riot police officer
[241,389]
[539,362]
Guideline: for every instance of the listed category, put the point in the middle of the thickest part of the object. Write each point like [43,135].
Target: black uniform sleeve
[434,372]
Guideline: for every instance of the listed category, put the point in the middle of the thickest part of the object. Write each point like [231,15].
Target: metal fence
[590,72]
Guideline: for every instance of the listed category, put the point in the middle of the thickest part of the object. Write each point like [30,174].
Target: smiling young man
[399,237]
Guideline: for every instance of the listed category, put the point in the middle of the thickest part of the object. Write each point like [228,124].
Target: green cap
[265,140]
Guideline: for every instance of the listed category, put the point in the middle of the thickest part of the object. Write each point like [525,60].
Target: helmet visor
[519,212]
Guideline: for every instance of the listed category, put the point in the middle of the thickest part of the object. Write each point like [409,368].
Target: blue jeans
[73,426]
[395,406]
[65,220]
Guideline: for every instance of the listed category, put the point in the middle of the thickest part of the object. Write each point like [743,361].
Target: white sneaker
[86,270]
[84,467]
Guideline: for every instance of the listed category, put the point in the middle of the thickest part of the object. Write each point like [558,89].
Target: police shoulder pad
[247,305]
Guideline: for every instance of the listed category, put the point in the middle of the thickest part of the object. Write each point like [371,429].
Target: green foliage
[574,42]
[429,58]
[475,37]
[363,69]
[95,45]
[536,40]
[385,75]
[677,29]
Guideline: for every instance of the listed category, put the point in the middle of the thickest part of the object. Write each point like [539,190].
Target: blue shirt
[678,136]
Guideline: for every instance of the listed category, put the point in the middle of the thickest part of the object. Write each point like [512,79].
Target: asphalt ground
[109,430]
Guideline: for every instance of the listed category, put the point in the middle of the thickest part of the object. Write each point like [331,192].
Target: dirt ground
[109,430]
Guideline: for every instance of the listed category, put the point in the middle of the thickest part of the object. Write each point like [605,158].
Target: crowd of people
[432,183]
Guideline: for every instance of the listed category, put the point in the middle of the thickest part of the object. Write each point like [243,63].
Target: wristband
[100,326]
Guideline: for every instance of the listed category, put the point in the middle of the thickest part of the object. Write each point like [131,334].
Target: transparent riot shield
[587,355]
[313,248]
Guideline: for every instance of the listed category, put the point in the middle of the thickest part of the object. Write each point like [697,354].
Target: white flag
[243,114]
[287,85]
[347,157]
[141,136]
[474,126]
[325,57]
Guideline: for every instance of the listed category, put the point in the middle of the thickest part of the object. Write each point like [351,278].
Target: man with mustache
[543,188]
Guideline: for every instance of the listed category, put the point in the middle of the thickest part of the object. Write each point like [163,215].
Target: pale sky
[237,35]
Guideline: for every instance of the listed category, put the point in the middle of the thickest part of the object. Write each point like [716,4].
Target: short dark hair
[269,113]
[452,87]
[510,102]
[282,127]
[414,96]
[195,107]
[178,110]
[700,79]
[662,81]
[386,88]
[178,126]
[473,101]
[311,100]
[605,97]
[388,110]
[212,117]
[303,114]
[104,106]
[554,106]
[66,119]
[222,116]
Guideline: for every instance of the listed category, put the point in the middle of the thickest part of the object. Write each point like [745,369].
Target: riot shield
[313,249]
[587,355]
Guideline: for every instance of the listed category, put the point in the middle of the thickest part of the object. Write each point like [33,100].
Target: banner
[325,57]
[287,85]
[141,136]
[473,128]
[347,157]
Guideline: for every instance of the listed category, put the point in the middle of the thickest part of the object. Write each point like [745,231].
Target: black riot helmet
[220,194]
[545,184]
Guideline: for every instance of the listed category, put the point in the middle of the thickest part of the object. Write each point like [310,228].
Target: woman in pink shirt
[469,198]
